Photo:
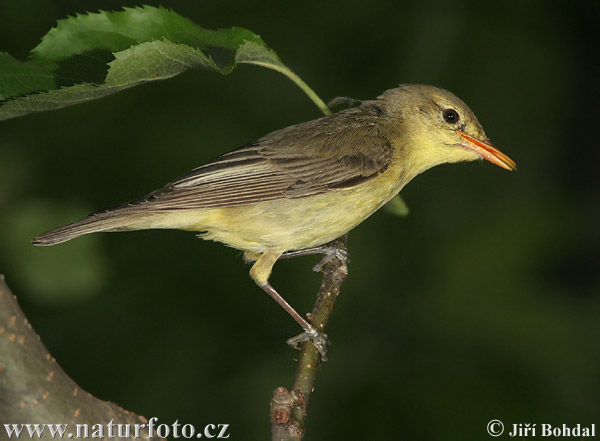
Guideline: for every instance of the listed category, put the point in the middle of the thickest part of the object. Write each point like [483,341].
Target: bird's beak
[487,151]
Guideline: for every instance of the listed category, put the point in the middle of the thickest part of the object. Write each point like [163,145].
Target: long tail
[106,221]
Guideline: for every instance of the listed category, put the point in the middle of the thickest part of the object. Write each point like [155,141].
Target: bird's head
[439,128]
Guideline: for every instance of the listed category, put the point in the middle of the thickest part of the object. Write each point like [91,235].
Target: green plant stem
[296,79]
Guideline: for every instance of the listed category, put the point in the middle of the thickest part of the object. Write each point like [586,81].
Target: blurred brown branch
[35,390]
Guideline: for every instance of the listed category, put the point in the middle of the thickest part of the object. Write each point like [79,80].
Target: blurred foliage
[482,304]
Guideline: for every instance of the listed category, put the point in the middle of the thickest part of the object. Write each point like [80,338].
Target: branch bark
[288,408]
[35,390]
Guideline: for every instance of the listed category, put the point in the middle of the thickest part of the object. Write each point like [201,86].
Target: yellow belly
[283,224]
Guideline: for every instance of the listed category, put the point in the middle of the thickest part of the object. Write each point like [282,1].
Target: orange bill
[488,151]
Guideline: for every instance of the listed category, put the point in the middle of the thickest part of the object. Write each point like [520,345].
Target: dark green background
[484,303]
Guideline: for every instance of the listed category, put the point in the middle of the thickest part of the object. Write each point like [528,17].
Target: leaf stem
[299,82]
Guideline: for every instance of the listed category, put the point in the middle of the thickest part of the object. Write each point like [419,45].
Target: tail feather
[92,224]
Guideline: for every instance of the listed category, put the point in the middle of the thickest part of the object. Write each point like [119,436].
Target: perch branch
[288,408]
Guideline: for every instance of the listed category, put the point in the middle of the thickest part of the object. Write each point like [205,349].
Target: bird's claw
[318,339]
[329,254]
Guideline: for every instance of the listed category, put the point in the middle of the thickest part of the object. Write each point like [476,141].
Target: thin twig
[285,427]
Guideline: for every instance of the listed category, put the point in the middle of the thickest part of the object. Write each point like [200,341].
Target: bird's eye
[451,116]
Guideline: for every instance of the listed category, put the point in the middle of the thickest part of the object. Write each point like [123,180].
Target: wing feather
[338,151]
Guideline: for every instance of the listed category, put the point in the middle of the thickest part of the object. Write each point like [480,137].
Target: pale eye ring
[451,116]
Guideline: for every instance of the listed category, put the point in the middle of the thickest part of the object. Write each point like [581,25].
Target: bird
[303,186]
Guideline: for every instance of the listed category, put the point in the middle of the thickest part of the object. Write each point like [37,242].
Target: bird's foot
[330,253]
[318,339]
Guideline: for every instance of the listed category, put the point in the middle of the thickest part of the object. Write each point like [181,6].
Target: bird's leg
[311,333]
[260,272]
[250,257]
[305,252]
[328,250]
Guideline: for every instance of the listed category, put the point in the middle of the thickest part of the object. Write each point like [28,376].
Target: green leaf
[156,60]
[89,56]
[396,206]
[54,99]
[18,78]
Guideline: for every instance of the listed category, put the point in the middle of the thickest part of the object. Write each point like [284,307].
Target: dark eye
[451,116]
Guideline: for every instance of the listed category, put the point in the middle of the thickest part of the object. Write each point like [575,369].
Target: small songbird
[308,184]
